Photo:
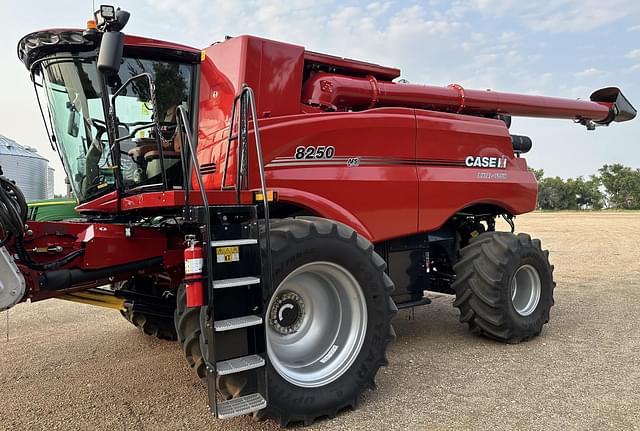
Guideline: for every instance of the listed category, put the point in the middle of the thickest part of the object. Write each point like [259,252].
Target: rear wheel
[504,286]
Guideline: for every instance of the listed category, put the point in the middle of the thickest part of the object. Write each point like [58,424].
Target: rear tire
[504,286]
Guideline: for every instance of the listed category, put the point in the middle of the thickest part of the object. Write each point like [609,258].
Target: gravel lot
[71,366]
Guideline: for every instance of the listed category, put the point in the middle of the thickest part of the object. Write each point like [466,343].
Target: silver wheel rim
[322,342]
[525,290]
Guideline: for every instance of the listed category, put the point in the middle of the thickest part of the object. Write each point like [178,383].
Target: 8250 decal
[313,152]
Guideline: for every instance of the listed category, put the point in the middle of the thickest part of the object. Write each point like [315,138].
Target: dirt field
[69,366]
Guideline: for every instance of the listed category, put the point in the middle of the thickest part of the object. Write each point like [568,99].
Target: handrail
[185,131]
[247,105]
[263,182]
[244,98]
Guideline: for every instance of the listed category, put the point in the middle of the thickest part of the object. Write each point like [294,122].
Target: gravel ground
[71,366]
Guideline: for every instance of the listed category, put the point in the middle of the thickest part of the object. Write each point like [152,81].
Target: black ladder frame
[245,106]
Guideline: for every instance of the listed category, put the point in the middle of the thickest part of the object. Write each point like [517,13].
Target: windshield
[74,91]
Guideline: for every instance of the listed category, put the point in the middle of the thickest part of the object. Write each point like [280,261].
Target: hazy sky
[562,48]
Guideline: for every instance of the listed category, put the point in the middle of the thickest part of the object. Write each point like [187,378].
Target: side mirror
[110,55]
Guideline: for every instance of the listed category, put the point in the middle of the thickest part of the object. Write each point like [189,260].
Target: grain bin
[50,182]
[26,167]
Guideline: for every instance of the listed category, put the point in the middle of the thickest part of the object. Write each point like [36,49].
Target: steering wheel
[100,125]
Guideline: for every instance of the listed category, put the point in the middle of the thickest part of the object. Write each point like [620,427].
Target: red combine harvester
[259,203]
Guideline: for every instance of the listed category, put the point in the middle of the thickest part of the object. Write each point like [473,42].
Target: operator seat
[146,153]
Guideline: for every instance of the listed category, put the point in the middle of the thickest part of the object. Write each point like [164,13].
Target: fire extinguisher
[193,264]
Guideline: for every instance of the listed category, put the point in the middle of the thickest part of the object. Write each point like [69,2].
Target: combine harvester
[271,207]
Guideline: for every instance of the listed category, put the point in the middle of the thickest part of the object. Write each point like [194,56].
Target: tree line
[614,186]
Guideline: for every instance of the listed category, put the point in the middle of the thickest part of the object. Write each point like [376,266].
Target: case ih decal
[486,162]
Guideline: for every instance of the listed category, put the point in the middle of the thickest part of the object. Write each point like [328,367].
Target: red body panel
[105,244]
[447,189]
[392,191]
[373,193]
[272,69]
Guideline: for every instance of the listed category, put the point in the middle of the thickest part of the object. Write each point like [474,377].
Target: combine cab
[271,207]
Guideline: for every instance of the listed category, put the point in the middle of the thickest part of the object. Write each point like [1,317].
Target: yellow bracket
[96,297]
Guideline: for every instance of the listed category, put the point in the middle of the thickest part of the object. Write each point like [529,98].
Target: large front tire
[337,276]
[504,286]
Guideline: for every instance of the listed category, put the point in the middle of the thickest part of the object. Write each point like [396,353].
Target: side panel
[222,74]
[272,69]
[444,143]
[360,181]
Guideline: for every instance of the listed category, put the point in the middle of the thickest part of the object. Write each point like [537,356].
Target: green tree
[584,194]
[622,184]
[553,194]
[539,173]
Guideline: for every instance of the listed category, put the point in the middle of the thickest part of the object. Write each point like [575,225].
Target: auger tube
[341,92]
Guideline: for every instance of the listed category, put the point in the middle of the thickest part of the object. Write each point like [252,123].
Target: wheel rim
[525,290]
[317,324]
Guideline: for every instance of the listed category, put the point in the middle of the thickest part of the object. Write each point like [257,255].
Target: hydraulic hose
[13,216]
[24,257]
[13,210]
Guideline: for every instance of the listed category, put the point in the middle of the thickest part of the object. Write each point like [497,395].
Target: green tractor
[57,209]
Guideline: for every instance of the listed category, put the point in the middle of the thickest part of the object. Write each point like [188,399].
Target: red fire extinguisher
[193,263]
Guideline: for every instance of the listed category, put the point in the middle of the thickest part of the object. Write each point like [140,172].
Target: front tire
[340,280]
[504,286]
[155,323]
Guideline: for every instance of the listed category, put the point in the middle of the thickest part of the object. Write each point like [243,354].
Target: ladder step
[241,406]
[236,323]
[239,365]
[232,242]
[233,282]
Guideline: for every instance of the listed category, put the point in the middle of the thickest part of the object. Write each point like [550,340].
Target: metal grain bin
[26,167]
[50,182]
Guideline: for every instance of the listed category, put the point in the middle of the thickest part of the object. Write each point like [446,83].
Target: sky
[564,48]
